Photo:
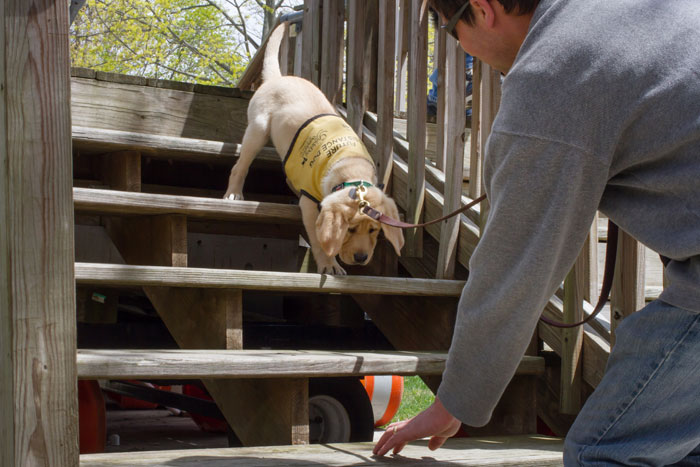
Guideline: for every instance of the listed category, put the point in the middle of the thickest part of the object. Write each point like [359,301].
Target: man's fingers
[436,442]
[398,448]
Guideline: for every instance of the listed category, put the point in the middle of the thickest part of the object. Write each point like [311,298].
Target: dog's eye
[372,230]
[352,229]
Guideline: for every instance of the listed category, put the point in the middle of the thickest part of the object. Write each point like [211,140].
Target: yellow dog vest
[320,142]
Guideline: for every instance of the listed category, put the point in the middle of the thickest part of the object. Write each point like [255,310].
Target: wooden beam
[122,170]
[160,276]
[383,156]
[332,50]
[628,283]
[184,364]
[311,40]
[38,396]
[90,200]
[440,62]
[361,27]
[475,155]
[88,140]
[417,91]
[572,339]
[455,128]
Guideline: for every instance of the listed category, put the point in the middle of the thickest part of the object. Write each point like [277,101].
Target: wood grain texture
[517,451]
[628,290]
[417,110]
[454,151]
[38,397]
[385,90]
[212,363]
[475,150]
[90,200]
[332,51]
[157,111]
[572,338]
[90,140]
[160,276]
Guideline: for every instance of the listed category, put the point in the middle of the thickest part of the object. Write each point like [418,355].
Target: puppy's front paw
[331,267]
[233,196]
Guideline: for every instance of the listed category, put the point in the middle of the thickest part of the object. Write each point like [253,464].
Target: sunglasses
[450,26]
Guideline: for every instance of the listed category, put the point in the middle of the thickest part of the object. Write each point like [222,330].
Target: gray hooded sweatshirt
[601,110]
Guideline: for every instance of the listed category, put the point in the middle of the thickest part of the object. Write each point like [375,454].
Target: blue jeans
[646,410]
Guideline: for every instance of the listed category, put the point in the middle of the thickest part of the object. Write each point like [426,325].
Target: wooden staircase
[133,169]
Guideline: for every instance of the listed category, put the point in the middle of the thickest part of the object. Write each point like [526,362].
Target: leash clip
[361,191]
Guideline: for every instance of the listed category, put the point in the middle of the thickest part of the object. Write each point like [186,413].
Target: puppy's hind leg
[254,139]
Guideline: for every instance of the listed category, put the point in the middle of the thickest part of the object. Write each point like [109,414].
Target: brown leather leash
[610,253]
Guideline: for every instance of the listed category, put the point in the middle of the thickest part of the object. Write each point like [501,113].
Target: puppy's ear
[331,227]
[393,234]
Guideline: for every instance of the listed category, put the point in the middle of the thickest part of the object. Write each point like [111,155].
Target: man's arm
[543,197]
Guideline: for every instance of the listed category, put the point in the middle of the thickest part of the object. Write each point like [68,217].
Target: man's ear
[393,234]
[331,228]
[483,12]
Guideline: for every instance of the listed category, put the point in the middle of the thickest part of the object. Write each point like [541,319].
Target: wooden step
[94,141]
[127,275]
[189,364]
[513,451]
[94,201]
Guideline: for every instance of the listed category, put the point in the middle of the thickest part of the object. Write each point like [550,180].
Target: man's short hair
[449,7]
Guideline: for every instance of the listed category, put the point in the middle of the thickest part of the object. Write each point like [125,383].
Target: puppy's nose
[360,257]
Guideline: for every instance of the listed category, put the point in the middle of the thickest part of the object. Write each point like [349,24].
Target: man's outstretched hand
[435,421]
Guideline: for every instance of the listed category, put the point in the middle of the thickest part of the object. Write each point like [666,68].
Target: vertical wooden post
[358,65]
[38,389]
[332,51]
[284,53]
[442,127]
[490,101]
[590,252]
[572,339]
[628,282]
[417,107]
[385,90]
[311,33]
[455,122]
[475,185]
[402,41]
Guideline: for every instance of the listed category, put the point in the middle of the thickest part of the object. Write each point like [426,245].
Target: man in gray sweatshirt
[600,111]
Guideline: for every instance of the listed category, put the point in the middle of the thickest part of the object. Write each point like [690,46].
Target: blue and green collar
[363,183]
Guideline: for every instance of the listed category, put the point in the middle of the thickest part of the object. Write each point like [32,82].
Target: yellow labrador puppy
[325,162]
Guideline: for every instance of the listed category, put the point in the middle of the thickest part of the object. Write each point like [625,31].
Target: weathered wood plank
[157,111]
[187,364]
[417,109]
[571,382]
[454,139]
[627,294]
[89,140]
[332,50]
[311,39]
[160,276]
[514,451]
[383,156]
[38,397]
[127,203]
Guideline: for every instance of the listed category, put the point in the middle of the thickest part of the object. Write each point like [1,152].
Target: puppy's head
[342,230]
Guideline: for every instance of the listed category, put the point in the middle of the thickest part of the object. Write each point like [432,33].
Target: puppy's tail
[271,64]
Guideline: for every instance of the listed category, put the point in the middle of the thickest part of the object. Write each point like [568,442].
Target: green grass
[416,398]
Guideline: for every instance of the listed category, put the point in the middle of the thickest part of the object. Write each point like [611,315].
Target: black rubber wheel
[339,411]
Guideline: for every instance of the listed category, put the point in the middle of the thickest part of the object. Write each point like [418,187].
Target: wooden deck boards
[498,451]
